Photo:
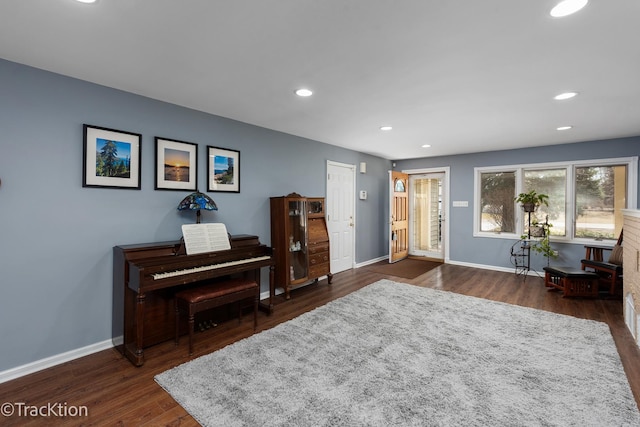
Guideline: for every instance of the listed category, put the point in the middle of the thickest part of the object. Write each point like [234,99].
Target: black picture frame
[176,165]
[111,158]
[223,170]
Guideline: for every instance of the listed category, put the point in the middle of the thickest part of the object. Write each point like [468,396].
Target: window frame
[477,194]
[632,193]
[521,217]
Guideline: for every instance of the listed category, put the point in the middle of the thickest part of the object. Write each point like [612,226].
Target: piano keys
[146,276]
[208,267]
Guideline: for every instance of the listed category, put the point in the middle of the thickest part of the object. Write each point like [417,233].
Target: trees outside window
[496,198]
[600,195]
[553,183]
[586,198]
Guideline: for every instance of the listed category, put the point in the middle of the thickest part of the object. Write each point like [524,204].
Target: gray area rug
[394,354]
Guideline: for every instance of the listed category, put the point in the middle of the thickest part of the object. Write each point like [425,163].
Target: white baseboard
[48,362]
[494,268]
[371,261]
[482,266]
[447,261]
[265,295]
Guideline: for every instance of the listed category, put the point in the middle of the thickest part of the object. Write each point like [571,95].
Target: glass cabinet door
[297,241]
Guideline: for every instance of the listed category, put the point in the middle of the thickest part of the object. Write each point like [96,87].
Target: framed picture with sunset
[176,165]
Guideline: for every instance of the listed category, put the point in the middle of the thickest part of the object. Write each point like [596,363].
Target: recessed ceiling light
[304,92]
[564,128]
[566,95]
[567,7]
[426,146]
[86,1]
[386,127]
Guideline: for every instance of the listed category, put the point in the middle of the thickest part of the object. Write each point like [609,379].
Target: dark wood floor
[117,393]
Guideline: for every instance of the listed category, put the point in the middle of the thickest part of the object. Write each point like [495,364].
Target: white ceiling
[461,75]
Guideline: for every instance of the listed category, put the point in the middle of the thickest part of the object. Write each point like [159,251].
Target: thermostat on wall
[363,194]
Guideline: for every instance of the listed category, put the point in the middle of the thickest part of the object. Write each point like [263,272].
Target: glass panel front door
[426,215]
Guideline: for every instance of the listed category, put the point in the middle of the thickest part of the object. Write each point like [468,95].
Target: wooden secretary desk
[300,240]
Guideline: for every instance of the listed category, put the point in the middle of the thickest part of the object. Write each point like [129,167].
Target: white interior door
[340,215]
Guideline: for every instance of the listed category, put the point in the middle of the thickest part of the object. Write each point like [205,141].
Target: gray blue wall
[57,237]
[493,252]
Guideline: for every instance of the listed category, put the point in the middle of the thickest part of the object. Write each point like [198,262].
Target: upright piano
[146,276]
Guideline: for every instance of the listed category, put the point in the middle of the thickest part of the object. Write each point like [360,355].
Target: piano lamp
[195,202]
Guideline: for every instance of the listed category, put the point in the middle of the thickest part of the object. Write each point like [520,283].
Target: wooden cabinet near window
[300,240]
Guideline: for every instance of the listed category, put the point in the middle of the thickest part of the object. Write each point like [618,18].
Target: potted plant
[537,230]
[531,200]
[542,246]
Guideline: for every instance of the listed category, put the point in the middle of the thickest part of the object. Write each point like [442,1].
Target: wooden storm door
[399,209]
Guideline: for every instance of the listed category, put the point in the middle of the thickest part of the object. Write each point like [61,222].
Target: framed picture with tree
[223,170]
[111,158]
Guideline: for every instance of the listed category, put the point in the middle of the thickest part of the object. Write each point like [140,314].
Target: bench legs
[198,300]
[192,317]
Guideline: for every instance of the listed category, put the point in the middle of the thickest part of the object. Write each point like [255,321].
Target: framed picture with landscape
[223,170]
[111,158]
[176,165]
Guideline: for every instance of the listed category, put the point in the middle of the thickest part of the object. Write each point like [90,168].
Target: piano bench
[196,300]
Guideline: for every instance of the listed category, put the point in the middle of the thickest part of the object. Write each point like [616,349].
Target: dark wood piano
[146,276]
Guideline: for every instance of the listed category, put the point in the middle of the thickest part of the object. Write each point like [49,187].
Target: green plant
[532,199]
[542,246]
[529,202]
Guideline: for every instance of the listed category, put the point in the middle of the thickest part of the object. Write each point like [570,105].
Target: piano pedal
[202,326]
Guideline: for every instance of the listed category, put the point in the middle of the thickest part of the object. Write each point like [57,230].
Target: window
[497,190]
[600,195]
[586,198]
[553,183]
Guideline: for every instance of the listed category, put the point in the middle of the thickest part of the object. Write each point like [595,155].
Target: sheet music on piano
[201,238]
